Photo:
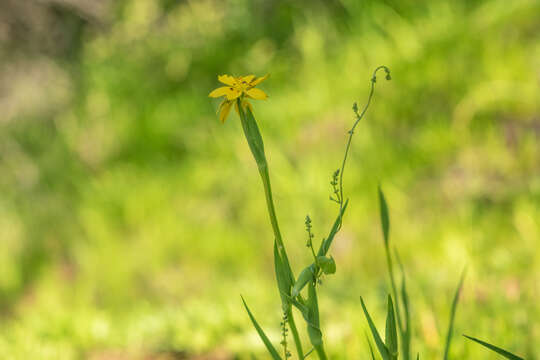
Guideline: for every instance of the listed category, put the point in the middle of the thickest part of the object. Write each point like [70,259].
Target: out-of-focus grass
[131,219]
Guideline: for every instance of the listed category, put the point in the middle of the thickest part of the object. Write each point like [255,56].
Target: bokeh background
[131,219]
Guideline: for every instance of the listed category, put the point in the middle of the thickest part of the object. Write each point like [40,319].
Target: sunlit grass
[129,213]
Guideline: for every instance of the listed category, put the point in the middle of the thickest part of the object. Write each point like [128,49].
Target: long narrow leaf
[325,245]
[253,135]
[496,349]
[305,276]
[271,349]
[370,348]
[378,341]
[313,325]
[300,306]
[385,220]
[391,338]
[406,330]
[283,280]
[453,315]
[385,224]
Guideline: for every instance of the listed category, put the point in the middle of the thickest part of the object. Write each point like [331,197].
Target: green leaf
[453,315]
[370,348]
[496,349]
[252,133]
[391,338]
[305,276]
[283,280]
[325,245]
[271,349]
[383,350]
[304,310]
[385,221]
[328,265]
[406,333]
[313,326]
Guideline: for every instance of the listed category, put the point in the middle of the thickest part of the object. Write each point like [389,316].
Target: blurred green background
[131,219]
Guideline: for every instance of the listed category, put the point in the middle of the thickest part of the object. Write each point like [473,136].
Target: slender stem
[309,352]
[321,353]
[351,133]
[263,171]
[262,164]
[314,256]
[295,334]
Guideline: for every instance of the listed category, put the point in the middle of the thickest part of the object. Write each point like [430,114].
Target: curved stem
[351,133]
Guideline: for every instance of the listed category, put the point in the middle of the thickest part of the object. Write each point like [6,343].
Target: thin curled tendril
[359,117]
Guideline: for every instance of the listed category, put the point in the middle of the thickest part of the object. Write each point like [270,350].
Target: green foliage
[306,275]
[498,350]
[391,339]
[453,316]
[129,214]
[327,264]
[271,349]
[381,346]
[385,221]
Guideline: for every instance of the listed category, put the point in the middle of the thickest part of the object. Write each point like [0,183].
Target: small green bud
[327,264]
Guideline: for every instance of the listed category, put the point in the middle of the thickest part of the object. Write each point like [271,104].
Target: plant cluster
[301,292]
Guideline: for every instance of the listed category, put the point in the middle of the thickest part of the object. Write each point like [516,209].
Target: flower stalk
[256,145]
[237,93]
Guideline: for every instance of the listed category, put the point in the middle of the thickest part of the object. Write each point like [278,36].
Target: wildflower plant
[237,92]
[301,292]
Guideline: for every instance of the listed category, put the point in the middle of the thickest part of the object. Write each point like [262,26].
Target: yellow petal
[227,79]
[220,91]
[225,109]
[257,81]
[256,94]
[233,93]
[221,105]
[246,79]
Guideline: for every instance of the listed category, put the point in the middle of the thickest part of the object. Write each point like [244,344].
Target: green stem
[265,177]
[351,133]
[295,334]
[321,353]
[255,143]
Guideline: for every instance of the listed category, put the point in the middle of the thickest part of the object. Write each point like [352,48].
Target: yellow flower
[242,87]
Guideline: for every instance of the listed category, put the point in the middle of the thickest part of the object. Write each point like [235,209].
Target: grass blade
[283,280]
[496,349]
[406,330]
[385,224]
[385,220]
[453,315]
[378,341]
[271,349]
[313,326]
[370,348]
[325,245]
[391,338]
